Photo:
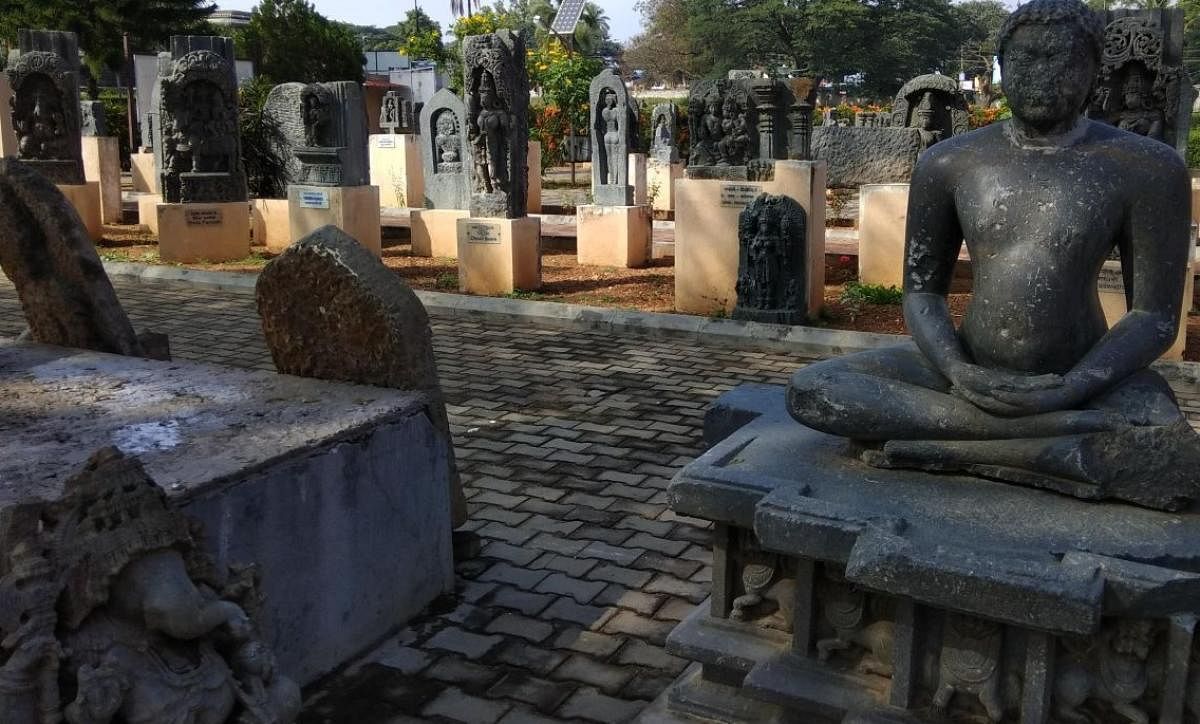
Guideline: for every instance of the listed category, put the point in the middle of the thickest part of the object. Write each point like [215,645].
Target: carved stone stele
[497,100]
[44,74]
[934,105]
[322,132]
[614,130]
[664,121]
[110,612]
[445,154]
[772,261]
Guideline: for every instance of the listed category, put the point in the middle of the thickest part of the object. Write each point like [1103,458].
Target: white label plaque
[738,195]
[202,217]
[479,232]
[385,142]
[1110,281]
[314,199]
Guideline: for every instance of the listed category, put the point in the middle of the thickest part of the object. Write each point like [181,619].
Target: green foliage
[856,292]
[100,24]
[446,280]
[374,38]
[289,41]
[563,79]
[266,169]
[116,116]
[1193,146]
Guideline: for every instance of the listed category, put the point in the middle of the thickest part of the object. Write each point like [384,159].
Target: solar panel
[567,17]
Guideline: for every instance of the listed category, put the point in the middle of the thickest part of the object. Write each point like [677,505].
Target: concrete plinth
[706,234]
[102,164]
[191,233]
[499,256]
[270,223]
[353,209]
[86,200]
[396,169]
[660,180]
[613,235]
[1112,299]
[638,177]
[8,136]
[141,167]
[147,205]
[882,215]
[342,504]
[435,232]
[533,195]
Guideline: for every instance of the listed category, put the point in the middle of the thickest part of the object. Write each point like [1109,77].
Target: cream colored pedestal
[499,256]
[353,209]
[533,196]
[882,214]
[612,235]
[102,164]
[8,137]
[660,181]
[706,235]
[1112,300]
[86,200]
[270,224]
[435,232]
[191,233]
[141,167]
[638,178]
[148,211]
[396,169]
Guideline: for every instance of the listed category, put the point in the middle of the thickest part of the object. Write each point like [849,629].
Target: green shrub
[856,292]
[1193,146]
[116,115]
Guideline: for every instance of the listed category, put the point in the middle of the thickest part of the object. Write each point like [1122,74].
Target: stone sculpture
[111,613]
[614,132]
[389,112]
[663,121]
[497,101]
[356,322]
[322,132]
[198,116]
[863,155]
[60,280]
[444,152]
[733,123]
[92,121]
[772,261]
[1143,87]
[44,74]
[804,98]
[934,105]
[927,586]
[1023,393]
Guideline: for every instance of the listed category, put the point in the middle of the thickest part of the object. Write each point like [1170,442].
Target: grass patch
[446,280]
[856,293]
[523,294]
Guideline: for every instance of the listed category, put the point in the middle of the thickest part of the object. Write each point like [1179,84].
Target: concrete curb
[809,341]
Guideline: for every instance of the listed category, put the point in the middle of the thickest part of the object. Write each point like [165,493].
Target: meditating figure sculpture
[1034,387]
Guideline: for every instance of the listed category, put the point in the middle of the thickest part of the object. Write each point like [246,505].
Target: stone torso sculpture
[44,74]
[1033,388]
[497,91]
[614,123]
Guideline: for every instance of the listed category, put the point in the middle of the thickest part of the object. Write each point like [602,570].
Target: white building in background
[229,18]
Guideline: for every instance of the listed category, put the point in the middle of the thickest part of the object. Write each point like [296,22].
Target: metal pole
[130,111]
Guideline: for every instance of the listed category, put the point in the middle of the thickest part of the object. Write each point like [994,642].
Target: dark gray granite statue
[932,104]
[110,611]
[1033,388]
[445,153]
[198,115]
[497,100]
[664,120]
[772,283]
[44,74]
[323,130]
[1143,86]
[803,99]
[722,117]
[613,127]
[92,121]
[858,155]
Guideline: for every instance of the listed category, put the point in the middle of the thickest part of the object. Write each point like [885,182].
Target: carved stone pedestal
[271,224]
[190,233]
[434,232]
[613,235]
[847,593]
[533,189]
[706,234]
[141,167]
[639,178]
[660,180]
[882,213]
[353,209]
[396,169]
[147,205]
[102,164]
[85,198]
[499,256]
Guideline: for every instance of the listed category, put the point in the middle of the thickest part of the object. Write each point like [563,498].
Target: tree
[375,38]
[289,41]
[421,38]
[979,24]
[100,25]
[664,50]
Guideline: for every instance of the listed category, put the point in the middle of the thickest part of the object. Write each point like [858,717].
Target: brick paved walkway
[566,443]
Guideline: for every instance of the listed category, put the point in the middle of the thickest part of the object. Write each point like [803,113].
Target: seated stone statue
[1033,388]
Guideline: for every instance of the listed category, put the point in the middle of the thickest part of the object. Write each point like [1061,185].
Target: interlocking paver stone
[592,705]
[465,708]
[466,643]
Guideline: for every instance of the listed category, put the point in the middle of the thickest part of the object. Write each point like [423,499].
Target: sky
[624,21]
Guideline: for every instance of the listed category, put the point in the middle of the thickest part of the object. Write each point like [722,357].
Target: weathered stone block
[858,156]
